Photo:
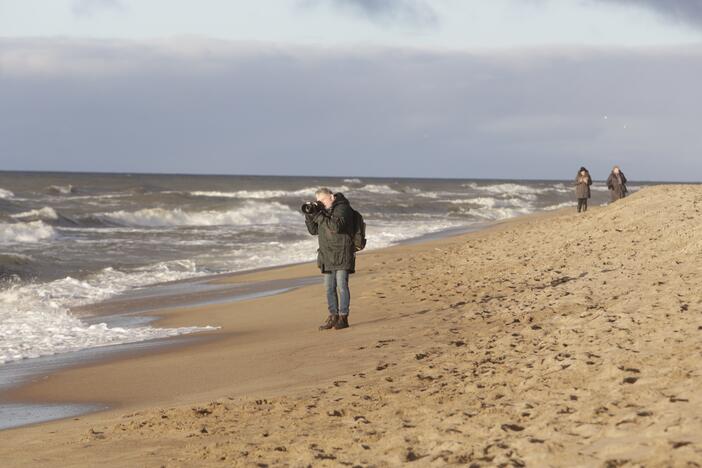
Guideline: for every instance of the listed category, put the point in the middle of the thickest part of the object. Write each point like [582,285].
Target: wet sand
[550,340]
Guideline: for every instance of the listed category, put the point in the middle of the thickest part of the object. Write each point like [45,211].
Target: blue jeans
[333,280]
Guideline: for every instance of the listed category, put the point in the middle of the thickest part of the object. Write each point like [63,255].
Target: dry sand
[551,340]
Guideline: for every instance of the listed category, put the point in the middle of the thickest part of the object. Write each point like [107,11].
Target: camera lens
[308,208]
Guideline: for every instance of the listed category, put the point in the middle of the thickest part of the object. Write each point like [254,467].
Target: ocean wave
[601,187]
[15,259]
[381,189]
[263,194]
[35,318]
[382,234]
[500,213]
[46,213]
[14,264]
[561,187]
[103,196]
[6,194]
[251,213]
[61,189]
[257,194]
[494,209]
[35,231]
[490,202]
[559,206]
[353,181]
[511,189]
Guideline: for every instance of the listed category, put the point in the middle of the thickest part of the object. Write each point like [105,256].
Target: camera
[312,207]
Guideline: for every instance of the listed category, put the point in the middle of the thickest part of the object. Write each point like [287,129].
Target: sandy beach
[556,339]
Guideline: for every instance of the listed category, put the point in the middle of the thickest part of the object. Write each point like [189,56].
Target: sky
[529,89]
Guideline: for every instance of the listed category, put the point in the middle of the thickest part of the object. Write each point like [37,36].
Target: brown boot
[330,323]
[342,322]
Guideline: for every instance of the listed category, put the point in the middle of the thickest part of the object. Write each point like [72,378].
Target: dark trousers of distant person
[582,204]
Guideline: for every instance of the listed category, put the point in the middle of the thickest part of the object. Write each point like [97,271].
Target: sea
[68,240]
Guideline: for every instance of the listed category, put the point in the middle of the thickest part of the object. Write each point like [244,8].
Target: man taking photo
[331,220]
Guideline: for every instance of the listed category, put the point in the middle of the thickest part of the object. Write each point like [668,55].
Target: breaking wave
[381,189]
[47,213]
[35,318]
[257,194]
[511,189]
[250,214]
[561,205]
[35,231]
[264,194]
[61,189]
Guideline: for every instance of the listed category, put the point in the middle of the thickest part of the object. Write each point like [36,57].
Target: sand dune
[551,340]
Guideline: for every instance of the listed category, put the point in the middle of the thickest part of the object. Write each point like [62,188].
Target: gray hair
[324,190]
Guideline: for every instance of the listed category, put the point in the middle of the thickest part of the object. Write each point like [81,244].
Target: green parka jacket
[334,230]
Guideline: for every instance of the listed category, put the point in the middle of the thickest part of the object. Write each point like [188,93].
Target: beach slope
[551,340]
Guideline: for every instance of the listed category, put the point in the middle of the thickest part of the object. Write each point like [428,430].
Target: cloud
[87,8]
[222,107]
[416,13]
[684,11]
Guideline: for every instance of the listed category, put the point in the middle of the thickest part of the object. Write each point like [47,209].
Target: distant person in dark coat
[583,181]
[616,183]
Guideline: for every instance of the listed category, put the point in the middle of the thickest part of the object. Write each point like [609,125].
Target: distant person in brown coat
[583,181]
[616,183]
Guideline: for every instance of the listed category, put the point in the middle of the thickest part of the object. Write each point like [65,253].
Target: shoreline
[15,374]
[148,306]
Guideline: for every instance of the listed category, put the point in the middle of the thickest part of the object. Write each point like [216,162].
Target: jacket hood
[340,199]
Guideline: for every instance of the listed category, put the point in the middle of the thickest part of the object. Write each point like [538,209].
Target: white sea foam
[353,181]
[562,188]
[6,194]
[484,201]
[508,189]
[250,214]
[257,194]
[263,255]
[570,204]
[489,208]
[35,231]
[381,189]
[35,318]
[264,194]
[46,213]
[385,233]
[491,202]
[104,196]
[519,190]
[495,213]
[61,189]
